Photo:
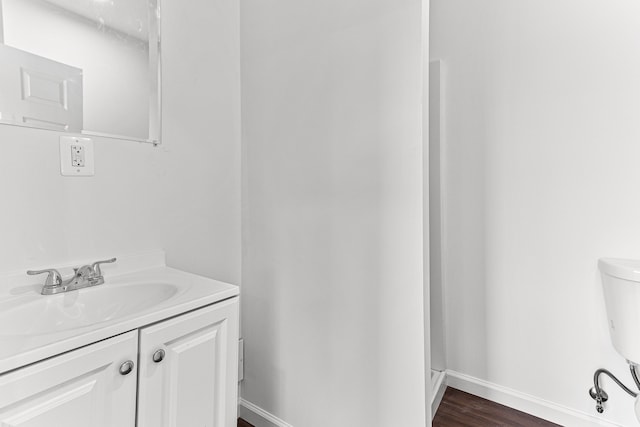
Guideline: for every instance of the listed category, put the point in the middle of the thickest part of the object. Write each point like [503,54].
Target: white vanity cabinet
[188,369]
[77,389]
[181,371]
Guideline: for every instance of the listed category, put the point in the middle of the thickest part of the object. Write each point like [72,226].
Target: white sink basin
[34,327]
[39,315]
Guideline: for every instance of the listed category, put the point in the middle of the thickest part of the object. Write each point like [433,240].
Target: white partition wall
[332,291]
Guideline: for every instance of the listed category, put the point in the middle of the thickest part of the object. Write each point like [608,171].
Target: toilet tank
[621,283]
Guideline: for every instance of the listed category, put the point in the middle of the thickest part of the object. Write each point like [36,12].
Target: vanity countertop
[189,292]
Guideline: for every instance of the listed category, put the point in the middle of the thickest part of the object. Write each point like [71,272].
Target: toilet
[621,284]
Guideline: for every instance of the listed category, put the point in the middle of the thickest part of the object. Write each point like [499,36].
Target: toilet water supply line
[600,396]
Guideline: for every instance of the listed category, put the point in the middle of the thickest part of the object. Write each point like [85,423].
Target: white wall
[542,100]
[183,197]
[115,69]
[332,211]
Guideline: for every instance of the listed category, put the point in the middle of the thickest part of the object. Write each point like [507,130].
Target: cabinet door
[77,389]
[196,382]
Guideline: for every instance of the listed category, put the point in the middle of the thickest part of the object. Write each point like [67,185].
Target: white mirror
[81,66]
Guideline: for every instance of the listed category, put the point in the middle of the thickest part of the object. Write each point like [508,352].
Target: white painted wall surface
[201,129]
[541,169]
[332,312]
[183,197]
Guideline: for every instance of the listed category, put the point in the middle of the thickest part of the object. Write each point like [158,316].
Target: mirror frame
[155,80]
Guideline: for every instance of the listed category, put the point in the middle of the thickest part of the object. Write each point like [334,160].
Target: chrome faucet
[83,277]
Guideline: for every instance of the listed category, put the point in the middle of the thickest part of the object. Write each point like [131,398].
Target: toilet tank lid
[628,269]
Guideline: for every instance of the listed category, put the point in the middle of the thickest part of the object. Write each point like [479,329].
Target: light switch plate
[76,156]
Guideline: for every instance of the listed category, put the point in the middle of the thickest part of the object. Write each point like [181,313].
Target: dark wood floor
[460,409]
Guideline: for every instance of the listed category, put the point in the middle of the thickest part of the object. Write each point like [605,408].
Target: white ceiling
[127,16]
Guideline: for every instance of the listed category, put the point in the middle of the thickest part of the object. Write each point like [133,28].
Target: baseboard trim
[438,388]
[259,417]
[525,403]
[512,398]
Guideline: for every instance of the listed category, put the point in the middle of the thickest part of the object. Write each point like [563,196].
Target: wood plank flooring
[460,409]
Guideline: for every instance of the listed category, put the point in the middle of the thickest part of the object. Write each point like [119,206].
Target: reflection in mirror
[81,66]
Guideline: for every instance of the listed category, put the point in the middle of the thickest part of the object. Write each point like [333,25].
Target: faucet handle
[53,279]
[96,266]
